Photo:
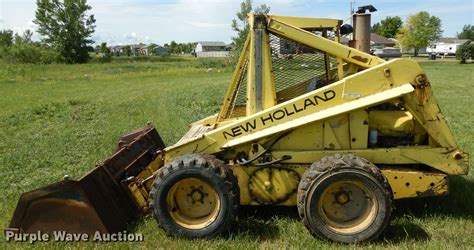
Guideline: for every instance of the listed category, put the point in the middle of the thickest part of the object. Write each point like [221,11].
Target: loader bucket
[97,202]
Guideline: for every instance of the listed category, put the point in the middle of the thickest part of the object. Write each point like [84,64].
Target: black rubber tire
[338,167]
[204,167]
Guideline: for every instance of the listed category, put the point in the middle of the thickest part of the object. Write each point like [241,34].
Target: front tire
[344,198]
[195,196]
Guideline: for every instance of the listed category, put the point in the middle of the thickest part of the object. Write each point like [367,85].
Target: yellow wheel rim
[192,203]
[348,207]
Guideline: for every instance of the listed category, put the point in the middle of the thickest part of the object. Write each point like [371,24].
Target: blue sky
[160,21]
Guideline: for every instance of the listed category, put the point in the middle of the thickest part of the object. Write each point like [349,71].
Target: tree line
[66,28]
[421,30]
[173,47]
[20,48]
[180,48]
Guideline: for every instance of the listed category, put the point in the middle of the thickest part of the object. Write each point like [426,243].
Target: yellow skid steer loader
[306,122]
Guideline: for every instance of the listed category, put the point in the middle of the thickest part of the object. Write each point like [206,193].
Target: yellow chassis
[334,116]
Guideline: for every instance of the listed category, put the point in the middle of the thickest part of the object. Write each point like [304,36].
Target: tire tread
[334,163]
[207,163]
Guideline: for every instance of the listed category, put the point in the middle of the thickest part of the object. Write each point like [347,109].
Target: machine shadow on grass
[399,232]
[457,204]
[258,221]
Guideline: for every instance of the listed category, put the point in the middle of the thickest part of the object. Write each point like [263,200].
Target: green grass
[62,119]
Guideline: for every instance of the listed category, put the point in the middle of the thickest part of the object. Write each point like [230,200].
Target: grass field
[62,119]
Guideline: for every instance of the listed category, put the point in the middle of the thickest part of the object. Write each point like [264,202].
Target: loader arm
[381,83]
[376,82]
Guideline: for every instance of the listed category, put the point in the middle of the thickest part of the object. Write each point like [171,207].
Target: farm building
[116,50]
[378,41]
[283,48]
[138,49]
[210,46]
[150,49]
[384,47]
[160,50]
[211,49]
[380,46]
[446,46]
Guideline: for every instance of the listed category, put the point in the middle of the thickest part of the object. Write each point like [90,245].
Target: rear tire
[344,198]
[195,196]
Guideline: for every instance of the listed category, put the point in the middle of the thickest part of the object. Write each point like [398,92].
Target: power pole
[351,12]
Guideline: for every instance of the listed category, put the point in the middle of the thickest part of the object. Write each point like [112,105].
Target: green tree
[388,27]
[375,27]
[191,47]
[25,38]
[22,49]
[105,53]
[179,48]
[241,25]
[151,48]
[173,47]
[6,38]
[66,26]
[467,32]
[103,48]
[419,31]
[465,52]
[127,50]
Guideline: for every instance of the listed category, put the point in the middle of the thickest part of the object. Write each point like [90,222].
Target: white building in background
[446,46]
[210,46]
[211,49]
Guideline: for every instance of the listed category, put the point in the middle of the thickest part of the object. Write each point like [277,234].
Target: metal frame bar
[231,91]
[385,81]
[308,23]
[258,69]
[317,42]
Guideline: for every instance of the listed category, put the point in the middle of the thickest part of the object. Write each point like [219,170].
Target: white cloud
[132,35]
[433,8]
[133,21]
[453,15]
[28,26]
[161,22]
[206,25]
[133,38]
